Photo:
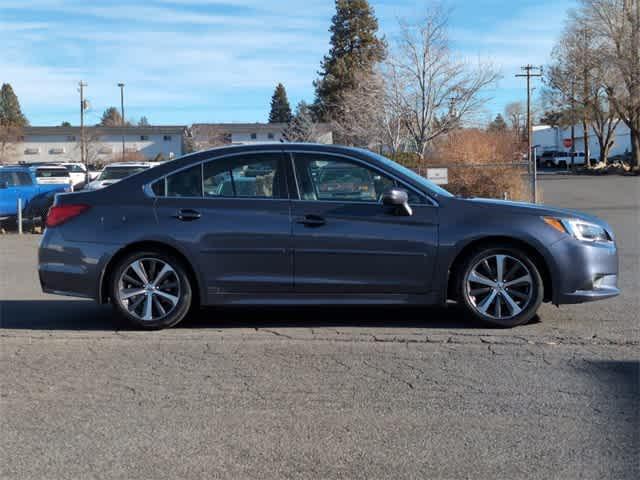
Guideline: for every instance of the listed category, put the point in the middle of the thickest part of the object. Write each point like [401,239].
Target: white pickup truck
[561,159]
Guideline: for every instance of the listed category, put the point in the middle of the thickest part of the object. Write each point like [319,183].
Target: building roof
[133,130]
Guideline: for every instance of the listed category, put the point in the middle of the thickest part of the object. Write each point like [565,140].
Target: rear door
[233,213]
[19,184]
[346,241]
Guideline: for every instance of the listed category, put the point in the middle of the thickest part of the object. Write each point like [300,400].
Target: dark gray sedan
[301,224]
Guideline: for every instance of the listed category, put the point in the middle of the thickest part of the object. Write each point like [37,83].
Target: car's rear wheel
[500,286]
[549,164]
[151,289]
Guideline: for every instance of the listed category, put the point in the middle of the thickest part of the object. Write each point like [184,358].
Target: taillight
[62,213]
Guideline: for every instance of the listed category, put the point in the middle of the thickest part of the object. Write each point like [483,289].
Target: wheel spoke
[135,304]
[499,267]
[172,298]
[129,279]
[476,277]
[513,306]
[514,268]
[159,306]
[166,269]
[486,303]
[148,307]
[479,291]
[138,268]
[519,281]
[131,292]
[498,310]
[517,294]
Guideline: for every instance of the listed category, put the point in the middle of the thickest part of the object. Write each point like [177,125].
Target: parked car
[114,172]
[77,172]
[171,238]
[36,212]
[50,174]
[18,181]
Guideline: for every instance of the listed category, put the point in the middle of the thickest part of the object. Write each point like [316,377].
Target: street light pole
[83,106]
[121,85]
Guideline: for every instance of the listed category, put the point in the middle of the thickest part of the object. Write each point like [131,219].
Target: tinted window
[329,178]
[23,178]
[251,176]
[118,173]
[186,183]
[51,172]
[75,168]
[15,179]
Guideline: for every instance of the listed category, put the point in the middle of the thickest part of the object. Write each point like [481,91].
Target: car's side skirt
[431,298]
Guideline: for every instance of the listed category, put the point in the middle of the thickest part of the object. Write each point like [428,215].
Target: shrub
[481,164]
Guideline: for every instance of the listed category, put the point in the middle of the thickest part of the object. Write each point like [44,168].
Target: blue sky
[186,61]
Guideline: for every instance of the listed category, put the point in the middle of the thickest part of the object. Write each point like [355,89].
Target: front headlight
[579,229]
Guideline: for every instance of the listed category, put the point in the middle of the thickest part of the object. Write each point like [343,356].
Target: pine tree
[355,49]
[497,125]
[111,118]
[143,122]
[302,127]
[10,113]
[280,108]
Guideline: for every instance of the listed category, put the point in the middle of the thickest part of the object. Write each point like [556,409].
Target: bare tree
[616,26]
[303,126]
[438,90]
[515,115]
[358,119]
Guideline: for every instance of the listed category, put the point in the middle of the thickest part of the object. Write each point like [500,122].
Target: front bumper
[584,272]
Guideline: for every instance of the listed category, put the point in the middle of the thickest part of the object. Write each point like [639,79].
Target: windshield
[118,173]
[51,172]
[411,174]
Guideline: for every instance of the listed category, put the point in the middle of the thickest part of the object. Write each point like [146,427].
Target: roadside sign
[439,176]
[567,142]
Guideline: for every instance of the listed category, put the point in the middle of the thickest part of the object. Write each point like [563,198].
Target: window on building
[271,136]
[254,136]
[56,151]
[186,183]
[144,137]
[71,138]
[31,151]
[167,138]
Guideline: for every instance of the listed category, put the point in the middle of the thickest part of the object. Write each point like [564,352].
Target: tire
[562,164]
[549,164]
[170,299]
[512,304]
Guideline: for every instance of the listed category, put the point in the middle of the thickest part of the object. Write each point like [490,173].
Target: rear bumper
[584,272]
[71,268]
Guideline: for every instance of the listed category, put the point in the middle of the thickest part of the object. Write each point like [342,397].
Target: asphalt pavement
[325,393]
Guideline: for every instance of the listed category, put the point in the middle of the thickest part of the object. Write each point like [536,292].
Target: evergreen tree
[355,49]
[497,125]
[111,118]
[10,113]
[143,122]
[65,124]
[302,127]
[280,108]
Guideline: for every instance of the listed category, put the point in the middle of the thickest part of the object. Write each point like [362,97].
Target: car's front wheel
[151,289]
[500,286]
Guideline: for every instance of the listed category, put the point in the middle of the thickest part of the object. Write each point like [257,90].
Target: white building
[213,134]
[546,137]
[104,144]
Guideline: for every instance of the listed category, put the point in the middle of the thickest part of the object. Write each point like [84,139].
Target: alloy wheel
[499,286]
[149,288]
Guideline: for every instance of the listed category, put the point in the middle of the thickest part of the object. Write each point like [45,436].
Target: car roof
[130,164]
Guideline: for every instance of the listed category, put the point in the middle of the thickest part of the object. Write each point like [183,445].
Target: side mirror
[3,185]
[399,200]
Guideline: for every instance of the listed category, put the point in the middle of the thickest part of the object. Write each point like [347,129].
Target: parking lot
[326,393]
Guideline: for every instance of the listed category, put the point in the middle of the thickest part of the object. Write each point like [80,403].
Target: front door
[234,215]
[346,241]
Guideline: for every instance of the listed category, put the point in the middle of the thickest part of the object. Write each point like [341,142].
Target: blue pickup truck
[18,181]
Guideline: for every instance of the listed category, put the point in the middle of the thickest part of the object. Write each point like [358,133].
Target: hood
[535,209]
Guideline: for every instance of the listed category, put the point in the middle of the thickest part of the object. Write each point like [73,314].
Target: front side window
[252,176]
[323,177]
[185,183]
[15,179]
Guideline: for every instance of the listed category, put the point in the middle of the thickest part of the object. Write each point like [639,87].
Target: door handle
[311,221]
[187,215]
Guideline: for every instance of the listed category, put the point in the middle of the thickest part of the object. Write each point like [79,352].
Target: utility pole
[83,147]
[531,71]
[121,85]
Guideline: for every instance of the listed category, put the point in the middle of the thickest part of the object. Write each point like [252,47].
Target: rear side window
[185,183]
[158,188]
[52,172]
[252,176]
[15,179]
